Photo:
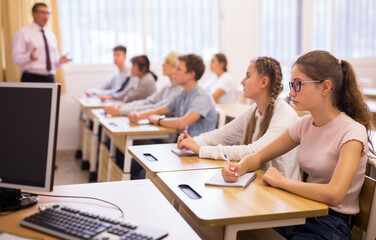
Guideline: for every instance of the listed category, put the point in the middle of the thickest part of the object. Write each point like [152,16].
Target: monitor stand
[13,199]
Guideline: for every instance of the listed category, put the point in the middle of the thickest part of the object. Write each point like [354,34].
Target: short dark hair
[120,48]
[37,5]
[193,63]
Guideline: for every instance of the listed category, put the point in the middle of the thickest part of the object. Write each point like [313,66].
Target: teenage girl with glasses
[333,144]
[267,119]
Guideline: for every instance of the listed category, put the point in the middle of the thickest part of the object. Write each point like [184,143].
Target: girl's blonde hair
[172,58]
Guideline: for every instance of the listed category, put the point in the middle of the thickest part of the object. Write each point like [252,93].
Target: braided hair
[268,67]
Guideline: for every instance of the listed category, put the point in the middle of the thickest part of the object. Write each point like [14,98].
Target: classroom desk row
[91,112]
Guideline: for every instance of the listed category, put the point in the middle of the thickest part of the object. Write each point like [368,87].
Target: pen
[187,127]
[228,160]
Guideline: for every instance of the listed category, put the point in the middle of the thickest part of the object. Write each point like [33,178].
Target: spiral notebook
[243,181]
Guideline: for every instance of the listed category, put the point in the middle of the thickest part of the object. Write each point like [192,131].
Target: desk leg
[100,165]
[127,158]
[80,133]
[94,151]
[85,161]
[232,230]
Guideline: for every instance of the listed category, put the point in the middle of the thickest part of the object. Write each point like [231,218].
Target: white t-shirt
[224,82]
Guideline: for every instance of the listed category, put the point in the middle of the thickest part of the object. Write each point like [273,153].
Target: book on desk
[243,181]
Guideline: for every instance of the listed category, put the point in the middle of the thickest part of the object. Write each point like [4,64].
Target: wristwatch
[160,118]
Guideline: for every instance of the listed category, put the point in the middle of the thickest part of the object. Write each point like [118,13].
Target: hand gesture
[64,59]
[32,55]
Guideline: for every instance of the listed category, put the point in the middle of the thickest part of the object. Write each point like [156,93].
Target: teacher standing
[35,48]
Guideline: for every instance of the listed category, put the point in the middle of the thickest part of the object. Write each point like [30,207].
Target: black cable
[93,198]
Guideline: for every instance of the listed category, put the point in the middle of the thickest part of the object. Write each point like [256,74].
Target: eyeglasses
[44,13]
[297,84]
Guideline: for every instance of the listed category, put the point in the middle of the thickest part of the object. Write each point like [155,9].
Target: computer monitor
[28,133]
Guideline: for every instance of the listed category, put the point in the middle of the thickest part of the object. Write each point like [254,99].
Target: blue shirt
[199,101]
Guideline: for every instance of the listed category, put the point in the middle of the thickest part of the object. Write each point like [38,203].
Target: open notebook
[243,181]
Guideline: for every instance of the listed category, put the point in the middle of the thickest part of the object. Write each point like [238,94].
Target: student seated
[113,85]
[193,106]
[333,145]
[139,86]
[221,86]
[158,99]
[266,120]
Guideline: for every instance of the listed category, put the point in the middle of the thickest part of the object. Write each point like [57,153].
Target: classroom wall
[238,42]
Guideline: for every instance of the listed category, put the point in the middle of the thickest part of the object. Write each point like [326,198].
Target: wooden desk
[369,92]
[122,135]
[85,135]
[231,209]
[233,110]
[94,115]
[167,161]
[140,201]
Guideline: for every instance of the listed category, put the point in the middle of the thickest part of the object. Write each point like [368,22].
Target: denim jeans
[326,227]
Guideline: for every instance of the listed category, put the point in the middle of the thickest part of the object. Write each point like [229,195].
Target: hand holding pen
[183,135]
[230,171]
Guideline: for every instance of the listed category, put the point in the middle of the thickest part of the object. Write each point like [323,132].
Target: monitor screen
[28,133]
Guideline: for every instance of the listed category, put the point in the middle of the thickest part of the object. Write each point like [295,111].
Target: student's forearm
[324,193]
[176,123]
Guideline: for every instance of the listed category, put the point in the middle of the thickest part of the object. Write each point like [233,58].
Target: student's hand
[88,94]
[273,177]
[64,59]
[32,55]
[231,173]
[133,117]
[112,110]
[154,119]
[103,98]
[189,143]
[182,136]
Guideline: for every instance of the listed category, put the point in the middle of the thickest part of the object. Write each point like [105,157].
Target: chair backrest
[221,117]
[366,219]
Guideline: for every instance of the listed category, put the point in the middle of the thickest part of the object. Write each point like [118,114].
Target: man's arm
[179,122]
[134,117]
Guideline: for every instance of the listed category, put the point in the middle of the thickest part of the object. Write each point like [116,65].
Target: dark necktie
[124,84]
[48,61]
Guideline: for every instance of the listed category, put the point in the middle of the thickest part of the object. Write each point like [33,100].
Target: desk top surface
[167,161]
[140,200]
[224,205]
[122,126]
[233,110]
[93,102]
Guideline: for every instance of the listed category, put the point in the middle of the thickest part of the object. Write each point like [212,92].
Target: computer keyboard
[70,223]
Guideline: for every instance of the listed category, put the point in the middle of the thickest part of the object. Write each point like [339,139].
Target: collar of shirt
[189,94]
[37,27]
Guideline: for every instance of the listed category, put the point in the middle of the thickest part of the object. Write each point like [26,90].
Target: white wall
[239,41]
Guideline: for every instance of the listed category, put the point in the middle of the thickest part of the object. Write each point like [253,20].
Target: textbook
[243,181]
[183,152]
